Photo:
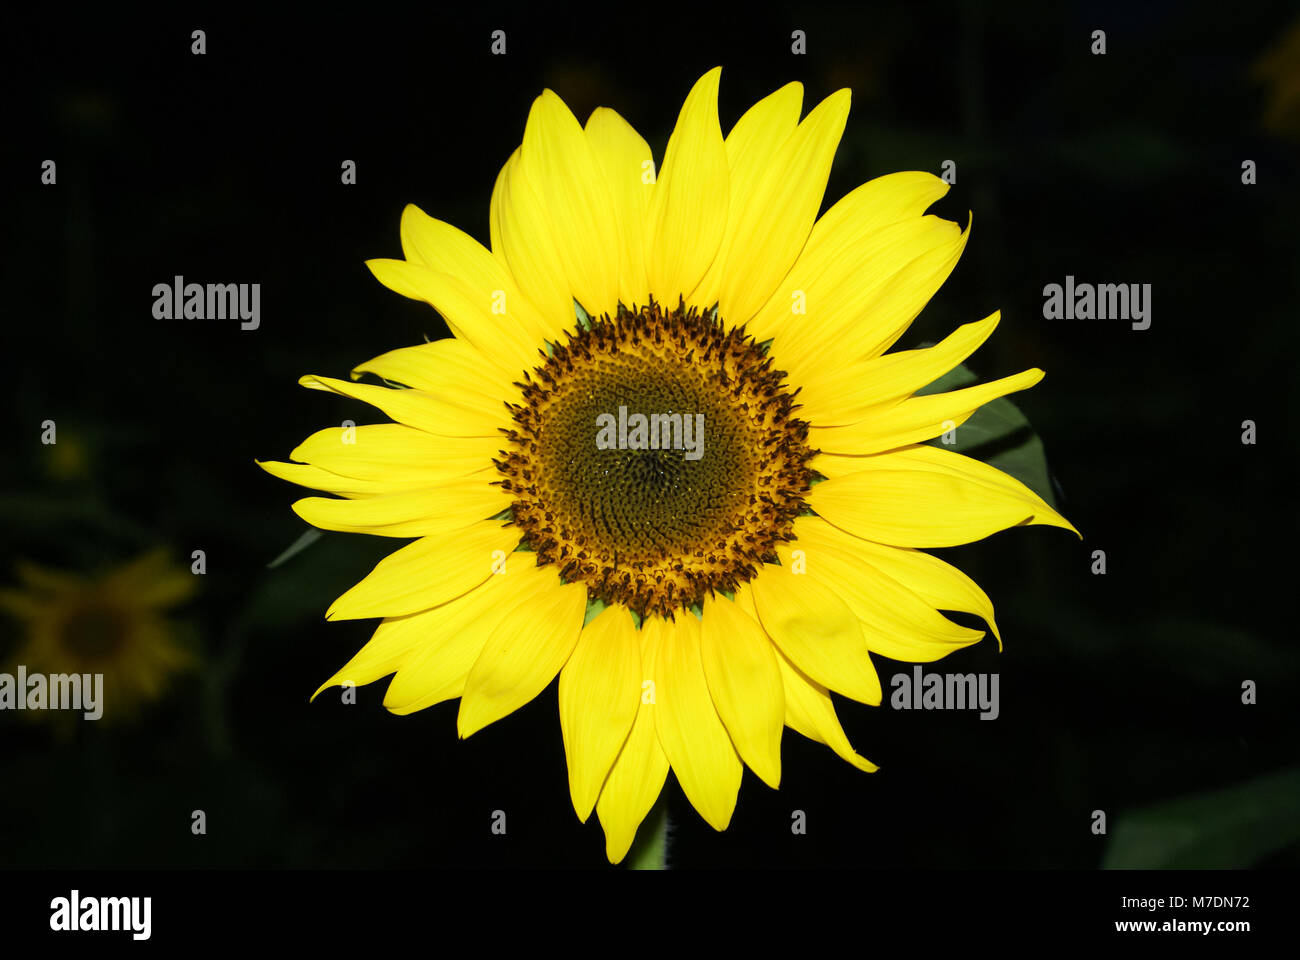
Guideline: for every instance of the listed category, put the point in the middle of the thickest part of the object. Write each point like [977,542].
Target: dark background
[1119,692]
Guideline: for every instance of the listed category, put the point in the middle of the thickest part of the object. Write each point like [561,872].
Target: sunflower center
[93,634]
[655,458]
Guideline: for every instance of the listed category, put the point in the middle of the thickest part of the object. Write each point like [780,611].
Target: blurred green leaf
[302,588]
[44,512]
[1223,829]
[998,434]
[302,543]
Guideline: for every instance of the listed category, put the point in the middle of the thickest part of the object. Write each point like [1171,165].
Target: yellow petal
[688,208]
[559,162]
[435,671]
[451,506]
[853,241]
[394,642]
[938,583]
[436,649]
[494,212]
[628,167]
[418,409]
[849,393]
[815,628]
[404,642]
[896,622]
[776,219]
[527,649]
[468,311]
[880,202]
[809,711]
[745,684]
[306,475]
[751,145]
[452,370]
[893,308]
[393,452]
[600,687]
[522,238]
[891,425]
[760,133]
[692,735]
[926,497]
[637,777]
[427,573]
[444,248]
[401,478]
[864,298]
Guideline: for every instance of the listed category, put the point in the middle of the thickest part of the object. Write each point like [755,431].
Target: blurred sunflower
[111,624]
[1278,71]
[692,606]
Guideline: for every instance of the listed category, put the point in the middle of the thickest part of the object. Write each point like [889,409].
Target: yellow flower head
[112,624]
[665,454]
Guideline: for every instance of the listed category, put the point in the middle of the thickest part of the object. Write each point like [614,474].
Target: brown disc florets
[655,458]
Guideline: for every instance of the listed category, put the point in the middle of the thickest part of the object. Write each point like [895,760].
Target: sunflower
[696,590]
[112,624]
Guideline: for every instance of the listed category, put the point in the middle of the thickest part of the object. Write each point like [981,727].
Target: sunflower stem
[650,848]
